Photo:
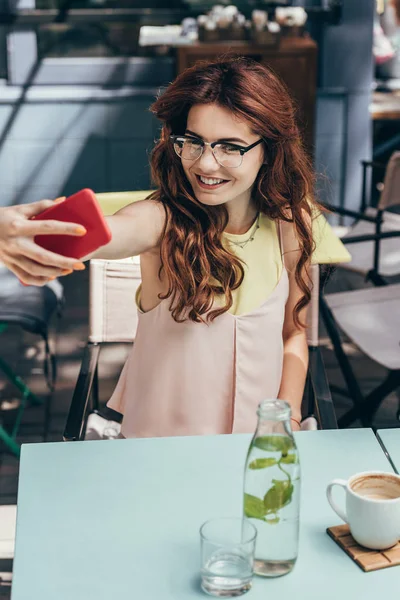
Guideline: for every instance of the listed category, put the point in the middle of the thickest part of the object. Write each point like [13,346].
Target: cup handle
[332,502]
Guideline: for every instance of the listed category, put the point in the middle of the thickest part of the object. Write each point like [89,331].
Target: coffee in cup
[372,508]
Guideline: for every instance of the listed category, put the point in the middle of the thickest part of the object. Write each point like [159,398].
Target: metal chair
[32,308]
[375,247]
[371,319]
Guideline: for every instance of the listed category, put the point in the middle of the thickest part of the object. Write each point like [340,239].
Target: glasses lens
[187,148]
[228,155]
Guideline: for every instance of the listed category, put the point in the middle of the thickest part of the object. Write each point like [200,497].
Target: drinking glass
[227,554]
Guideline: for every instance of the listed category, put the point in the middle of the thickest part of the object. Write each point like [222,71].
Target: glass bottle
[272,490]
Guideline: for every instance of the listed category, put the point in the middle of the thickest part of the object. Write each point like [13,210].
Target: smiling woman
[224,241]
[225,161]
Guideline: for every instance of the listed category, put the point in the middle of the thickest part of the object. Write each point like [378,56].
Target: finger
[50,259]
[33,209]
[27,278]
[50,227]
[38,269]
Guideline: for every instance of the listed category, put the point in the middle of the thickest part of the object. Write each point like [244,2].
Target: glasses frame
[242,149]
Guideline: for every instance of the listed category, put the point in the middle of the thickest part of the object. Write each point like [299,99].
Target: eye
[193,143]
[229,148]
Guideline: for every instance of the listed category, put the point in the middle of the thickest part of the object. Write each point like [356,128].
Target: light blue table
[391,441]
[119,519]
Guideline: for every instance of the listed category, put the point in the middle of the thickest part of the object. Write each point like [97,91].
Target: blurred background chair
[32,309]
[113,318]
[370,317]
[376,258]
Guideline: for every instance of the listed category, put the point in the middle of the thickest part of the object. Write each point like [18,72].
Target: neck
[241,218]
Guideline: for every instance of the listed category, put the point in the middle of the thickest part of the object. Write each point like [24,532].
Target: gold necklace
[251,238]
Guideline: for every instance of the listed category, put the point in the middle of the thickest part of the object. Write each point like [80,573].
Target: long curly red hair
[196,263]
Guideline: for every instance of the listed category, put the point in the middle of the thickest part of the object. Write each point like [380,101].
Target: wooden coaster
[368,560]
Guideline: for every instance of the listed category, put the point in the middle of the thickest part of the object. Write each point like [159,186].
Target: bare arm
[295,347]
[136,229]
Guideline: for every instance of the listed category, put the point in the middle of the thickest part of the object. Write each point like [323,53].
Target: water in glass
[226,572]
[227,553]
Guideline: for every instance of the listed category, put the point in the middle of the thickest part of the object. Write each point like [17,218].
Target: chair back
[390,195]
[113,313]
[112,306]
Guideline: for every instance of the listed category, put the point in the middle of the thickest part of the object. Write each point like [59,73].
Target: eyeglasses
[226,154]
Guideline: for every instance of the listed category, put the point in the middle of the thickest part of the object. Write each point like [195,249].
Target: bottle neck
[273,427]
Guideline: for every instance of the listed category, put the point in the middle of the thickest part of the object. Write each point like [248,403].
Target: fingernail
[79,266]
[60,199]
[66,271]
[80,231]
[52,278]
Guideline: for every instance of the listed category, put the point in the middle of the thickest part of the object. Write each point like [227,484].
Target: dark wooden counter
[385,106]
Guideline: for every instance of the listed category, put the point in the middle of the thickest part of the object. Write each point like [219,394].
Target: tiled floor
[25,352]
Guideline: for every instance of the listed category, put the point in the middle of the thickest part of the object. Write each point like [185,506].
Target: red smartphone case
[84,209]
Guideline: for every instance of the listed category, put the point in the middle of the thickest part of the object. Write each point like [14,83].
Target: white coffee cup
[372,508]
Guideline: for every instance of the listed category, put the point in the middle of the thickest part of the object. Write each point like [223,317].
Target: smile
[210,183]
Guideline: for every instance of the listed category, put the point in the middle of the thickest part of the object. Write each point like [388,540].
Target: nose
[207,161]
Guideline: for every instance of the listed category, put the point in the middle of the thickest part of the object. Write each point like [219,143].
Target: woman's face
[212,183]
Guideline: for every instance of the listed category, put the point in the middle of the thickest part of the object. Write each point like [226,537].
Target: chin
[210,200]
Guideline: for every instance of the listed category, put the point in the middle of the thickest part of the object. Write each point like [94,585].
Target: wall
[59,140]
[56,139]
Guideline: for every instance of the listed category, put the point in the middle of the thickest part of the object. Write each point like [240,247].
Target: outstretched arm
[135,229]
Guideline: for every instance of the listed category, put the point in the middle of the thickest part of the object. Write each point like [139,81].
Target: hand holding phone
[84,209]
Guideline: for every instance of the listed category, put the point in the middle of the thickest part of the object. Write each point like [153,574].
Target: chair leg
[47,414]
[372,401]
[50,370]
[322,400]
[10,442]
[18,382]
[308,395]
[344,363]
[95,390]
[375,278]
[9,438]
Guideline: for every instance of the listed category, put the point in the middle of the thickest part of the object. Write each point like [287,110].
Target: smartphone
[81,208]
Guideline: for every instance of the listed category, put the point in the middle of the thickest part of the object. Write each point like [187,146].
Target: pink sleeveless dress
[196,379]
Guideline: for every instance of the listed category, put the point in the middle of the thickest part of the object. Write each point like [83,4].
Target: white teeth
[209,181]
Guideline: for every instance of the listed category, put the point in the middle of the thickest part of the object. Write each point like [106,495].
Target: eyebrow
[220,140]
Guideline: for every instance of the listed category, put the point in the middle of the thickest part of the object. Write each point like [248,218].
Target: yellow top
[261,256]
[262,263]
